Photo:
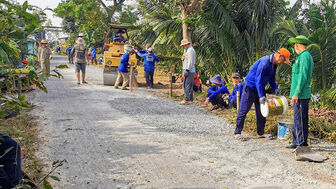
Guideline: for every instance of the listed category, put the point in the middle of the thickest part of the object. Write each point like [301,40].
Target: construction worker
[93,56]
[44,56]
[119,37]
[58,49]
[189,60]
[68,50]
[10,161]
[80,53]
[148,45]
[216,93]
[237,87]
[149,66]
[262,72]
[122,69]
[300,91]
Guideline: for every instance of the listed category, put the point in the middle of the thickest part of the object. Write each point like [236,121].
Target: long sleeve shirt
[94,53]
[236,88]
[68,50]
[44,55]
[214,91]
[189,60]
[124,63]
[80,53]
[150,60]
[120,39]
[301,76]
[262,72]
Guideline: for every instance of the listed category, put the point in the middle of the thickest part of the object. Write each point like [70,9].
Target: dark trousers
[69,58]
[10,173]
[149,78]
[218,100]
[188,84]
[233,103]
[249,96]
[300,126]
[94,60]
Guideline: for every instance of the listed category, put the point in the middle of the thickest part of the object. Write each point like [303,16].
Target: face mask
[295,49]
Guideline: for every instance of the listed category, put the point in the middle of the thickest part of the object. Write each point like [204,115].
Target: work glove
[185,73]
[262,100]
[277,92]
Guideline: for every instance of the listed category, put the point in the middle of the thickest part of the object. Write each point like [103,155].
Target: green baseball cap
[299,39]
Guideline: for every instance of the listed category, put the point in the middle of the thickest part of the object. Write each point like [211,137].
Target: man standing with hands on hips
[189,60]
[300,91]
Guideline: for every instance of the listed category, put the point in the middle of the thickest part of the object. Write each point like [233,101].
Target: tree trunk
[186,29]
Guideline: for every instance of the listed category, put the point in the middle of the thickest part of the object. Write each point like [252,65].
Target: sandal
[267,136]
[214,108]
[239,137]
[85,82]
[78,83]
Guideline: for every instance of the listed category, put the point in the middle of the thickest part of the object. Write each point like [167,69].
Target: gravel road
[118,139]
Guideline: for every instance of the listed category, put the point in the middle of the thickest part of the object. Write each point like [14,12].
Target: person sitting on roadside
[10,161]
[119,38]
[217,93]
[23,64]
[122,69]
[149,66]
[197,85]
[237,87]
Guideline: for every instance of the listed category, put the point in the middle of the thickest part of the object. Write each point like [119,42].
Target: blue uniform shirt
[124,63]
[214,91]
[150,60]
[261,73]
[233,95]
[94,53]
[116,38]
[69,50]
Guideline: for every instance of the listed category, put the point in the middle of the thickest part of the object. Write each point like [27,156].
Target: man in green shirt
[300,91]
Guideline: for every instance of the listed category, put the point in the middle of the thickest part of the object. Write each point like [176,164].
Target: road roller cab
[113,53]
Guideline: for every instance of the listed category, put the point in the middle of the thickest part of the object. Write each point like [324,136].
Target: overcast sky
[53,4]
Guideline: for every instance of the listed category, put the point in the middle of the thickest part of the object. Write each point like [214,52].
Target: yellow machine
[112,56]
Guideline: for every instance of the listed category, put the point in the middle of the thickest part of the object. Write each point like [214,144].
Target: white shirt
[189,60]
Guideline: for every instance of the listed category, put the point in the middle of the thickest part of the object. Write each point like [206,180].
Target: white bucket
[274,106]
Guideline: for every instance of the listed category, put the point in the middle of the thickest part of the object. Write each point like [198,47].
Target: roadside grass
[23,129]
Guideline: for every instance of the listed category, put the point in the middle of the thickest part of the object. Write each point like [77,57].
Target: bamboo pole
[238,100]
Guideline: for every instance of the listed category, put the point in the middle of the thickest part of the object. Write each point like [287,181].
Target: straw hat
[44,42]
[185,42]
[80,41]
[128,48]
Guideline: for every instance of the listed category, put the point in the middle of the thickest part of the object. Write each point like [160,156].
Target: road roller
[114,50]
